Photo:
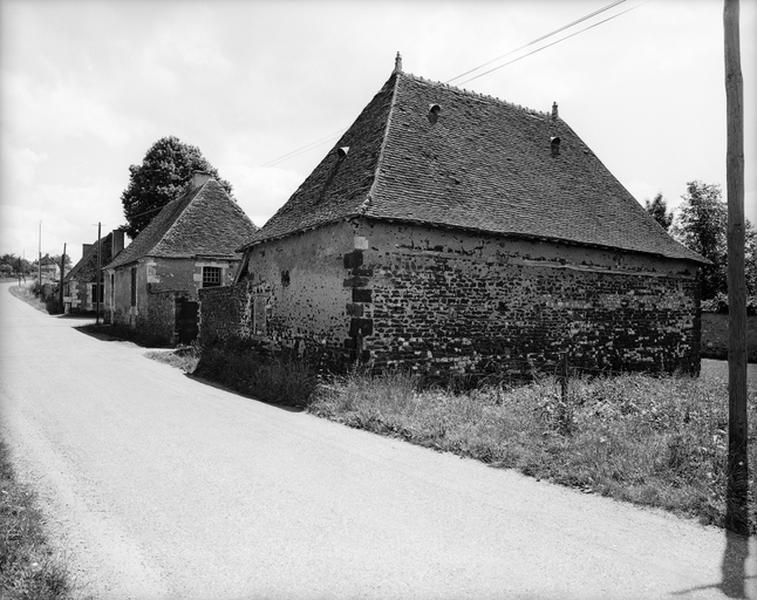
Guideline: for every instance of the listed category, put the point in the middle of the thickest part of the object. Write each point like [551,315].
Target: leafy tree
[700,225]
[658,208]
[56,259]
[165,171]
[17,264]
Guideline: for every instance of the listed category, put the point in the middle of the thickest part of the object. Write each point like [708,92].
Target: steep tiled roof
[480,164]
[86,268]
[203,220]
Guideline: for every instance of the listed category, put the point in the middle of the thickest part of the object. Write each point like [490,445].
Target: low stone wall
[715,336]
[159,324]
[227,316]
[222,313]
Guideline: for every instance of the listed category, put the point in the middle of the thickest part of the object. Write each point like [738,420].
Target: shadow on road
[108,333]
[218,386]
[733,569]
[75,316]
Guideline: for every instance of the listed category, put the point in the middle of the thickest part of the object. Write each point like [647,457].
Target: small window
[211,276]
[93,292]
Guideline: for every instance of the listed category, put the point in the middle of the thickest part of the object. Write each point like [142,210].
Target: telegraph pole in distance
[737,511]
[62,272]
[39,257]
[99,274]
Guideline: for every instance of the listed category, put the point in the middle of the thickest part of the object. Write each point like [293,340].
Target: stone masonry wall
[451,301]
[158,322]
[443,301]
[222,313]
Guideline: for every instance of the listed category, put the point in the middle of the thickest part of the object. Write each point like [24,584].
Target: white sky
[87,87]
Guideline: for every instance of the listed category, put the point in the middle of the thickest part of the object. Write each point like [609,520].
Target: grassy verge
[27,295]
[652,441]
[27,568]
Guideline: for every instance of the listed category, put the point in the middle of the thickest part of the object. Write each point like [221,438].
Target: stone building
[80,284]
[151,286]
[454,232]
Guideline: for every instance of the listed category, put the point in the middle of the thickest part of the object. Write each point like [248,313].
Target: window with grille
[211,276]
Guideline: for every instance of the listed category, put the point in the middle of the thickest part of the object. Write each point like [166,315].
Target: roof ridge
[454,88]
[379,161]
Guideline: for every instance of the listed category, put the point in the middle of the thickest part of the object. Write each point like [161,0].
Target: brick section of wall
[222,313]
[158,322]
[450,301]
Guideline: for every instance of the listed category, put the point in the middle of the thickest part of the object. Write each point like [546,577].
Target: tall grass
[653,441]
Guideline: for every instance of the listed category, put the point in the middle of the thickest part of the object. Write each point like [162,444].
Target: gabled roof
[86,268]
[202,221]
[478,164]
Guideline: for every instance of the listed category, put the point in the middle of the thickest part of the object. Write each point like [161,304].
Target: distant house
[80,289]
[449,231]
[151,286]
[49,270]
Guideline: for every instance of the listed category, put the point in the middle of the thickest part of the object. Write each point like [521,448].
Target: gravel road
[160,486]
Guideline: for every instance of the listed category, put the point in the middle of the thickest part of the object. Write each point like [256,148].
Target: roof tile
[479,163]
[201,221]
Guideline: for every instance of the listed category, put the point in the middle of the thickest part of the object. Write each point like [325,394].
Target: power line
[539,39]
[323,140]
[304,148]
[575,33]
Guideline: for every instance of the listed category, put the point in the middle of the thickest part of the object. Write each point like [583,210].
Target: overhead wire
[539,39]
[575,33]
[304,148]
[314,144]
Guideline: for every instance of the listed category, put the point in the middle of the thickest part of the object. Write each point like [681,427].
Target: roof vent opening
[554,144]
[433,112]
[343,151]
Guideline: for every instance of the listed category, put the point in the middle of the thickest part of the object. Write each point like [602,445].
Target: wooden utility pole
[62,273]
[737,513]
[97,280]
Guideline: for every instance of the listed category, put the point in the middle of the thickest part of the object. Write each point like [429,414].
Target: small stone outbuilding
[80,289]
[453,232]
[151,286]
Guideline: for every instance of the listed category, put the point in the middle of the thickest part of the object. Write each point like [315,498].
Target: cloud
[261,191]
[68,214]
[39,110]
[19,165]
